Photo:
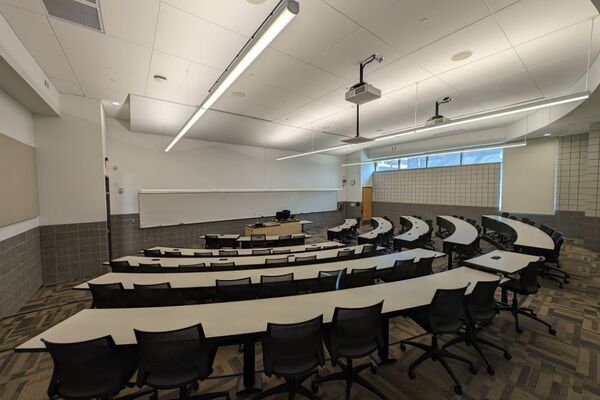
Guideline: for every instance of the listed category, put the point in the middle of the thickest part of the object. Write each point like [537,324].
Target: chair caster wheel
[314,387]
[402,347]
[373,368]
[473,369]
[507,355]
[490,371]
[552,331]
[519,330]
[458,389]
[412,375]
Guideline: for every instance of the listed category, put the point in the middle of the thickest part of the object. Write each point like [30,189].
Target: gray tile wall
[20,270]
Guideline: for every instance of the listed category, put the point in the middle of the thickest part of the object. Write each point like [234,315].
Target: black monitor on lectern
[282,215]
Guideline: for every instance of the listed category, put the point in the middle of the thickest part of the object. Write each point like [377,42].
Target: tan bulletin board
[18,181]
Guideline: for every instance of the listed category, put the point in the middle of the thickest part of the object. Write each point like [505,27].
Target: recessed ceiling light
[463,55]
[547,134]
[425,20]
[160,78]
[115,103]
[238,94]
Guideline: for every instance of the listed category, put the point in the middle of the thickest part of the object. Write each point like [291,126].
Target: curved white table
[418,228]
[189,252]
[463,234]
[528,236]
[333,233]
[383,227]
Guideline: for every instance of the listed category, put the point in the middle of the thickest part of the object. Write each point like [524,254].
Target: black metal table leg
[382,357]
[250,382]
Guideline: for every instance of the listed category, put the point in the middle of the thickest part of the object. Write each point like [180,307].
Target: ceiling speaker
[81,12]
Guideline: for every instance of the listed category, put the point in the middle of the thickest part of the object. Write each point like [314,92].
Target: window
[388,165]
[412,163]
[482,157]
[444,160]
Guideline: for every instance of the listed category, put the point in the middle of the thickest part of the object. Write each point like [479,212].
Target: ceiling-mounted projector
[362,93]
[439,118]
[357,140]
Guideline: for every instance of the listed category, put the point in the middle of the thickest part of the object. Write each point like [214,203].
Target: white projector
[437,120]
[362,93]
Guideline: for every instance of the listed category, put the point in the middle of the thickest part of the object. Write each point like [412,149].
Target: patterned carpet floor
[565,366]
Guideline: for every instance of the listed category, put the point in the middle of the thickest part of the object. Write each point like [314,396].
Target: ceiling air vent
[81,12]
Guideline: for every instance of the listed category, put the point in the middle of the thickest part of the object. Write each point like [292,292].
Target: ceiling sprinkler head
[379,58]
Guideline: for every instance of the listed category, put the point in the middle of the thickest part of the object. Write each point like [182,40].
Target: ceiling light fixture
[115,103]
[160,78]
[279,18]
[314,152]
[463,55]
[547,134]
[453,150]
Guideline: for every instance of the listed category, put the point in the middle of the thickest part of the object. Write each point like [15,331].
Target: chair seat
[356,350]
[89,387]
[514,286]
[169,379]
[295,367]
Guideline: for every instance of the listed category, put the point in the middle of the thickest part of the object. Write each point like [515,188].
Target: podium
[275,228]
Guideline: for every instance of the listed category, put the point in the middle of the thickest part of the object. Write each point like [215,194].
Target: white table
[333,233]
[504,262]
[208,279]
[383,226]
[248,318]
[462,234]
[417,229]
[528,237]
[244,241]
[245,261]
[189,252]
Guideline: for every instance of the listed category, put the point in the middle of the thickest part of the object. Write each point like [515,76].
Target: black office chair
[354,333]
[228,253]
[203,254]
[199,267]
[261,252]
[480,310]
[176,359]
[234,289]
[505,215]
[358,278]
[329,281]
[345,254]
[154,295]
[274,262]
[444,315]
[425,266]
[525,285]
[368,250]
[258,240]
[305,259]
[120,266]
[402,270]
[427,239]
[555,272]
[110,295]
[281,251]
[148,268]
[152,253]
[223,264]
[512,217]
[544,228]
[172,254]
[92,369]
[293,352]
[471,221]
[212,241]
[277,286]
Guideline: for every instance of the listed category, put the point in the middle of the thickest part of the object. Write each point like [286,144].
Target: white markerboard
[163,208]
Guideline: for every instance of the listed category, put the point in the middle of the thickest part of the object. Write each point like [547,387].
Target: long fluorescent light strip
[455,150]
[281,20]
[315,152]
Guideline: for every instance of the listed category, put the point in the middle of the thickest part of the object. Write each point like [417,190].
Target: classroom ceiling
[292,96]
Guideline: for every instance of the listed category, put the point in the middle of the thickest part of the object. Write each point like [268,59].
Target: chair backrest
[285,237]
[512,217]
[558,242]
[174,358]
[504,214]
[154,295]
[305,259]
[480,305]
[152,253]
[120,266]
[261,252]
[281,251]
[276,261]
[446,310]
[402,270]
[471,221]
[228,253]
[258,236]
[358,278]
[355,332]
[329,280]
[550,231]
[212,241]
[199,267]
[277,285]
[75,363]
[234,289]
[544,228]
[528,277]
[223,264]
[203,254]
[368,250]
[556,234]
[148,267]
[425,266]
[277,278]
[110,295]
[173,253]
[293,349]
[345,254]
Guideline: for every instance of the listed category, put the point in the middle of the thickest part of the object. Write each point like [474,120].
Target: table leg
[250,382]
[504,296]
[450,258]
[382,357]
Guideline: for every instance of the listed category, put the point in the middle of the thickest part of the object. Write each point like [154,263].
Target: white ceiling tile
[312,111]
[569,69]
[32,29]
[500,65]
[359,10]
[396,75]
[157,116]
[109,78]
[242,17]
[564,43]
[496,5]
[343,122]
[90,47]
[344,59]
[71,87]
[482,38]
[30,5]
[187,82]
[186,36]
[102,92]
[337,97]
[402,25]
[132,20]
[529,19]
[54,65]
[316,29]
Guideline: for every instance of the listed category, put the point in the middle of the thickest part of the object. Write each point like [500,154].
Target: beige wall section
[529,177]
[71,163]
[18,179]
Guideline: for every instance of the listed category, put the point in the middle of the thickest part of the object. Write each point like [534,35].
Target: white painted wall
[138,162]
[16,122]
[71,163]
[362,175]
